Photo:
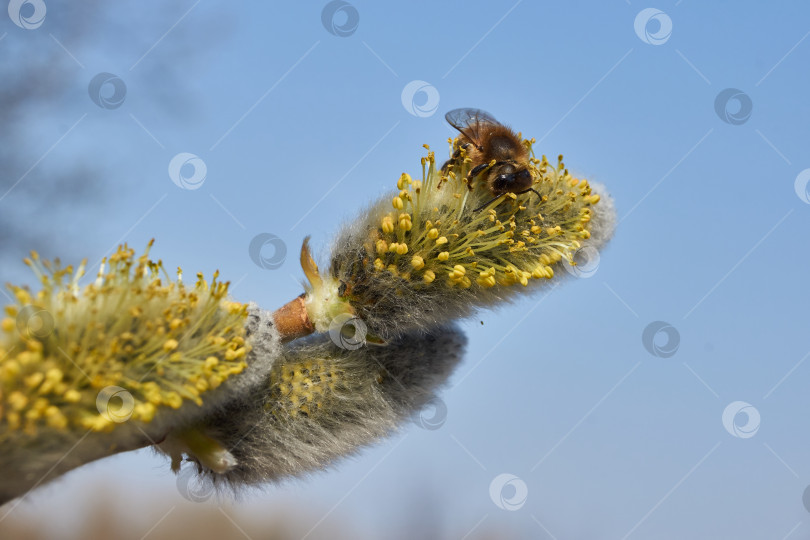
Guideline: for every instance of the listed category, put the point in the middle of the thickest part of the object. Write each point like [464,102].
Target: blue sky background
[299,128]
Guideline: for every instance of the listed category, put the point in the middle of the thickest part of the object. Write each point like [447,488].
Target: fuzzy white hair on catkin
[374,391]
[604,222]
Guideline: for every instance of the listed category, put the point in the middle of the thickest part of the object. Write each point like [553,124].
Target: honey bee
[486,140]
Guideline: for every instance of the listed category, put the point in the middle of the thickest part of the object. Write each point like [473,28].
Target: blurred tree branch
[41,82]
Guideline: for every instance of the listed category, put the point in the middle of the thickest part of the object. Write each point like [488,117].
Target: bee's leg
[528,190]
[487,203]
[454,157]
[474,172]
[450,161]
[477,170]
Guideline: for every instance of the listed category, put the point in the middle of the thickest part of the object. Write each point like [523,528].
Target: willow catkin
[427,254]
[321,402]
[117,364]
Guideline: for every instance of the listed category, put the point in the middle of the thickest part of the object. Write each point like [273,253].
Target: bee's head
[508,177]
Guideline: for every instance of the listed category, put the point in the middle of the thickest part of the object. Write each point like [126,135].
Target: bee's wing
[470,122]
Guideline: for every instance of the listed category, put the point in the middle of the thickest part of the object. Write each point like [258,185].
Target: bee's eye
[523,175]
[503,181]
